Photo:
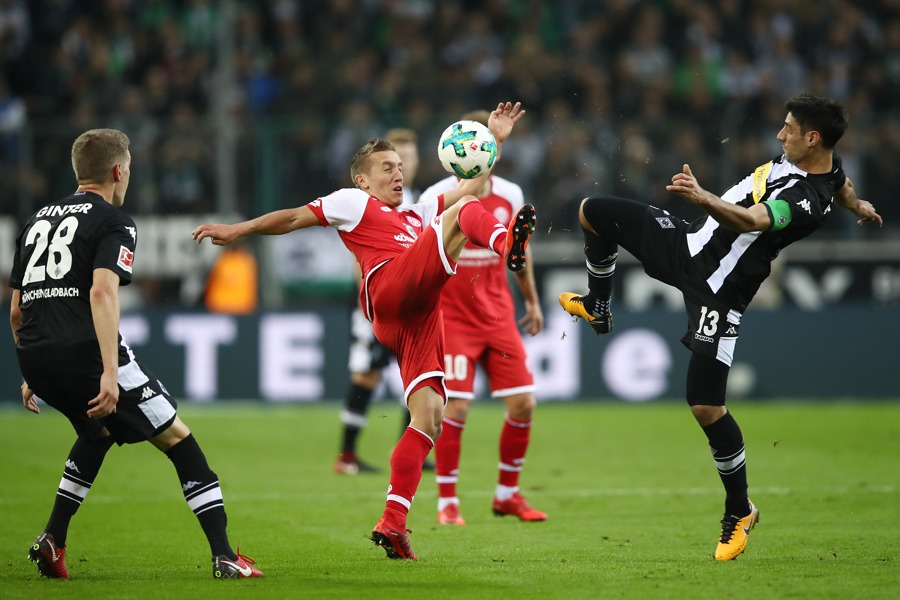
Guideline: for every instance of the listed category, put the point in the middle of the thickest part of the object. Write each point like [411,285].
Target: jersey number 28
[59,257]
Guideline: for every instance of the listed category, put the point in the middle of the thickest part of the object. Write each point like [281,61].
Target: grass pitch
[632,493]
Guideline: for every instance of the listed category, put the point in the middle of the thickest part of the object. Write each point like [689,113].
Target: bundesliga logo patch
[126,258]
[665,222]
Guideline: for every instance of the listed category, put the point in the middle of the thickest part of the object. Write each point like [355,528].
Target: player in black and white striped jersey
[719,262]
[71,257]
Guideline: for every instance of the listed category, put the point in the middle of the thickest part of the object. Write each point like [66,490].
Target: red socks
[514,440]
[446,458]
[482,228]
[406,472]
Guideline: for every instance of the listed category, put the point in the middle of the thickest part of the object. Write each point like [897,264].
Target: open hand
[503,118]
[219,235]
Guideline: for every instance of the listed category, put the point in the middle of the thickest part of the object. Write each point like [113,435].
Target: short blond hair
[360,160]
[96,152]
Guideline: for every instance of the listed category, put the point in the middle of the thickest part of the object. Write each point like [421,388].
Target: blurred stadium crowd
[619,93]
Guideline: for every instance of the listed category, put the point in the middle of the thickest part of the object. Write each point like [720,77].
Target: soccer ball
[467,149]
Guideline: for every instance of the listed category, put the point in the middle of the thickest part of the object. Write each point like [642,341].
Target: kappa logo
[665,222]
[132,231]
[731,330]
[804,204]
[189,485]
[70,465]
[146,393]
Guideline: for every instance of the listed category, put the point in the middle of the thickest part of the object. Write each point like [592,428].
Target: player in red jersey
[481,330]
[406,256]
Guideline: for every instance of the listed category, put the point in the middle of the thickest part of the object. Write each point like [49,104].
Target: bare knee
[426,411]
[707,415]
[457,409]
[173,434]
[521,406]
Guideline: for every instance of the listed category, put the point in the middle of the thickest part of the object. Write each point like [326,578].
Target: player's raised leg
[468,220]
[600,255]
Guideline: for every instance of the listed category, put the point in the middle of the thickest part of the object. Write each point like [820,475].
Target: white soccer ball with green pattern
[467,149]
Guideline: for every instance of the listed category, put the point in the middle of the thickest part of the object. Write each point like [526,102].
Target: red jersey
[373,231]
[481,279]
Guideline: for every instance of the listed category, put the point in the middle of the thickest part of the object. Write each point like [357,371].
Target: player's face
[409,156]
[793,140]
[123,172]
[383,177]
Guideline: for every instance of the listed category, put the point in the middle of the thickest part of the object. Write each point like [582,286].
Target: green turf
[632,493]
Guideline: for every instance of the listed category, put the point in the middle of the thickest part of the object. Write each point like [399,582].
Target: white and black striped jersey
[56,253]
[735,264]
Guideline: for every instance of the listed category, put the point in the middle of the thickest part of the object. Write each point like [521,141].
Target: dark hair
[814,113]
[361,158]
[96,152]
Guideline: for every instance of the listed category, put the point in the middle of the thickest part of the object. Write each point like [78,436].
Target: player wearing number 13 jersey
[718,262]
[71,257]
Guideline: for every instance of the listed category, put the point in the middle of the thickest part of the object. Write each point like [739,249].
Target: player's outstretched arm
[732,216]
[278,222]
[846,197]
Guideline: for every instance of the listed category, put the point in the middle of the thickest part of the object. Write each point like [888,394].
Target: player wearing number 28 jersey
[56,254]
[71,258]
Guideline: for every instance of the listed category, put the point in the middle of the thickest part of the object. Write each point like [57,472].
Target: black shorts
[366,352]
[659,240]
[145,409]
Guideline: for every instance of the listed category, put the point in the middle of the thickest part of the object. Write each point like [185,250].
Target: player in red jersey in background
[406,256]
[480,329]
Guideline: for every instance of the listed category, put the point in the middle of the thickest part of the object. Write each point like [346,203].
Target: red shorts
[405,300]
[501,354]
